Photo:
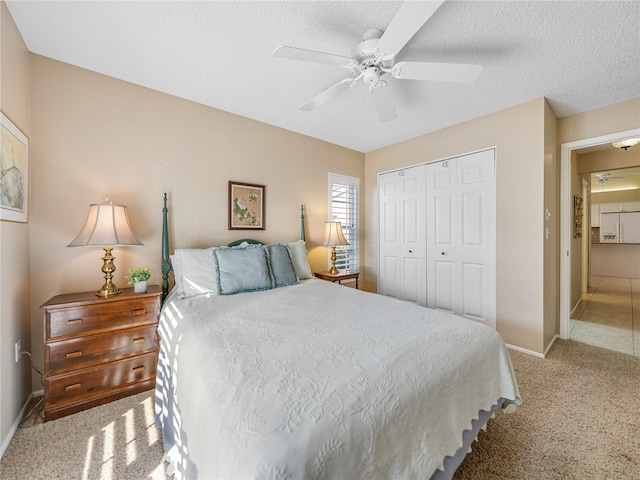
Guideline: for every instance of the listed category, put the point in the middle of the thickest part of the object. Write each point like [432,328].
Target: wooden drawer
[73,386]
[98,349]
[87,320]
[81,352]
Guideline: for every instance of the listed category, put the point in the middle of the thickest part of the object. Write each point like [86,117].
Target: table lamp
[107,226]
[333,237]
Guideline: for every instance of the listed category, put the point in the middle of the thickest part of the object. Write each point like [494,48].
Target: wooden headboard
[166,262]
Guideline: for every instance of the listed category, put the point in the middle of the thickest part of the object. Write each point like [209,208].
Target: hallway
[609,315]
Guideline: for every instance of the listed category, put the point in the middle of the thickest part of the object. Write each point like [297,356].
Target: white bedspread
[319,380]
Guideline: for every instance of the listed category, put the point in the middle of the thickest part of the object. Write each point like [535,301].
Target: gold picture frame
[246,206]
[14,172]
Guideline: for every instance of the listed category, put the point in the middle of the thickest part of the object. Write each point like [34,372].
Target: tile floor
[609,315]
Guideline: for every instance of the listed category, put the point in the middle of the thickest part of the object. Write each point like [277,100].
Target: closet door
[402,267]
[460,204]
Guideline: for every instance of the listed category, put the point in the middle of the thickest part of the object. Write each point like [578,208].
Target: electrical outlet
[17,347]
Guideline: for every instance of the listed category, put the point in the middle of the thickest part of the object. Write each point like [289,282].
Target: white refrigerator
[623,227]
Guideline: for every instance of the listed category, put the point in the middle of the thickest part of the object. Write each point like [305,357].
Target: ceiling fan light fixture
[625,144]
[371,75]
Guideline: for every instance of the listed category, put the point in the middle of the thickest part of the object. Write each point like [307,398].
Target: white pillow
[198,272]
[300,261]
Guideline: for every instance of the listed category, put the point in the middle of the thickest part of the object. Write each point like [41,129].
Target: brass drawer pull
[75,386]
[137,370]
[138,340]
[139,312]
[74,354]
[75,321]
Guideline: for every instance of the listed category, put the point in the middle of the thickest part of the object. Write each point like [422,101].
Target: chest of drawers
[97,350]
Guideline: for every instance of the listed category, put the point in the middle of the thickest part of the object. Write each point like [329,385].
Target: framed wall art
[578,215]
[14,171]
[246,206]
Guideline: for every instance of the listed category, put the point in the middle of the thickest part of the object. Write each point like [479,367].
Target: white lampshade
[107,225]
[333,235]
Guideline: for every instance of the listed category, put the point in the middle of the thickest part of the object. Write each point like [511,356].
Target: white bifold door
[402,235]
[437,235]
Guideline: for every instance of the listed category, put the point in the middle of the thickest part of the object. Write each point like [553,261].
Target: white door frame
[585,261]
[566,212]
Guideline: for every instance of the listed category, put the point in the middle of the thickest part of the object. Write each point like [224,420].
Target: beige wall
[100,137]
[615,260]
[518,133]
[15,379]
[615,118]
[616,197]
[609,159]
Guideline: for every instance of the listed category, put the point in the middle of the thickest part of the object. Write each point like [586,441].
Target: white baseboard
[553,340]
[531,352]
[16,423]
[524,350]
[575,307]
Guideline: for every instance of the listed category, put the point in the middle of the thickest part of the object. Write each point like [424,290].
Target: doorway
[566,218]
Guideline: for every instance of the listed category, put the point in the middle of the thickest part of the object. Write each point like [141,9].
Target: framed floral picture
[14,171]
[246,206]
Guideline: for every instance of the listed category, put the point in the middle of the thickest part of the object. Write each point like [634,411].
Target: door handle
[443,253]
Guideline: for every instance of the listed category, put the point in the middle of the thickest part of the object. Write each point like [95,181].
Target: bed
[266,372]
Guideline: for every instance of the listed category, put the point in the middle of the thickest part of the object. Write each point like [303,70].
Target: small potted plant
[138,278]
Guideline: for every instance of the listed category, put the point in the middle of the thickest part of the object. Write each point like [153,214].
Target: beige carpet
[114,441]
[580,420]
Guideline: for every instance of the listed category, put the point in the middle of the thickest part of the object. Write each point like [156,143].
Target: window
[343,207]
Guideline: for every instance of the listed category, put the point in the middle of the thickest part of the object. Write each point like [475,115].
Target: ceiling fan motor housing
[365,53]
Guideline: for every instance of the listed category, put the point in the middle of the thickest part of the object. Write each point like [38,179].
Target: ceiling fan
[603,177]
[375,57]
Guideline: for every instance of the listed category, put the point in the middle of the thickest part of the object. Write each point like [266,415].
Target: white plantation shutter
[343,207]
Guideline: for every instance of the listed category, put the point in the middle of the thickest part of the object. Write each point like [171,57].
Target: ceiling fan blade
[328,94]
[295,53]
[410,17]
[437,72]
[383,101]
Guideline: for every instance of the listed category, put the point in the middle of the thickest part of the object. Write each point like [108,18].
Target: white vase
[140,287]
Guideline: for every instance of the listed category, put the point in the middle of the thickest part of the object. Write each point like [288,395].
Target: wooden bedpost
[166,265]
[302,237]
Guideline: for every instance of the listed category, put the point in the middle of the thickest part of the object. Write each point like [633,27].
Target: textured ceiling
[580,55]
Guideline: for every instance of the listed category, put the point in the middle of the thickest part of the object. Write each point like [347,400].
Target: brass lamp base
[108,289]
[333,270]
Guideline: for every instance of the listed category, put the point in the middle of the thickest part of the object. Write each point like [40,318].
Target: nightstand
[97,349]
[338,277]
